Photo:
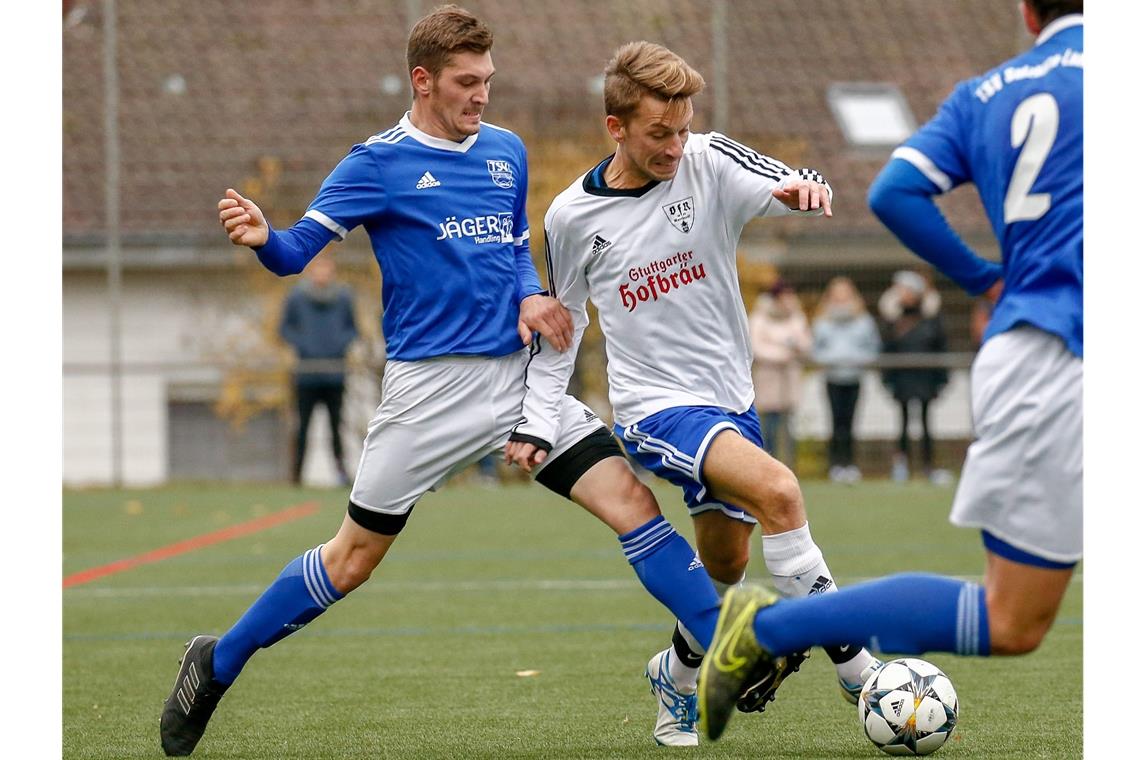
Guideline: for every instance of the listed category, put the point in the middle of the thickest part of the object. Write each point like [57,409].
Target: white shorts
[1023,477]
[437,416]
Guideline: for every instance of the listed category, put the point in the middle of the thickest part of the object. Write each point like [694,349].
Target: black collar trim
[594,183]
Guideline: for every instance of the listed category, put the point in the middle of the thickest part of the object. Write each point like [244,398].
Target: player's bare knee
[781,504]
[638,499]
[727,569]
[349,566]
[353,569]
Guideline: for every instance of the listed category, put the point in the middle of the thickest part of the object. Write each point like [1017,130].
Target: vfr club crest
[680,213]
[501,173]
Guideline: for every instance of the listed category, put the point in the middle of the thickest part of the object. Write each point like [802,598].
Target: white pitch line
[380,586]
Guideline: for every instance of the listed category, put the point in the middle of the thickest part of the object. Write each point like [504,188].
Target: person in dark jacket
[319,323]
[912,325]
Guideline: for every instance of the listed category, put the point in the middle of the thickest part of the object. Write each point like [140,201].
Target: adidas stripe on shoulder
[390,136]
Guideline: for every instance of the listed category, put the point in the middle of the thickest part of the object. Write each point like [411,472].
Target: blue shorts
[672,443]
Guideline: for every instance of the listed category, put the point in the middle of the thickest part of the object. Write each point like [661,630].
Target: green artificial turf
[484,584]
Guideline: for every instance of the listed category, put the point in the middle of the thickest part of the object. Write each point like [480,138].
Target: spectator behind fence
[319,323]
[911,325]
[781,340]
[846,340]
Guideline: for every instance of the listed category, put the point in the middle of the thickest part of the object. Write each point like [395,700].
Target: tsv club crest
[680,213]
[501,173]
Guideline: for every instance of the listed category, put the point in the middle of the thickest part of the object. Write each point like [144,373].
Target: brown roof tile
[205,95]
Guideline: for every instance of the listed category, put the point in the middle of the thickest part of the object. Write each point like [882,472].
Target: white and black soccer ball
[908,707]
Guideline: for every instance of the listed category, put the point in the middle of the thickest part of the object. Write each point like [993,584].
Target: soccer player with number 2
[1017,133]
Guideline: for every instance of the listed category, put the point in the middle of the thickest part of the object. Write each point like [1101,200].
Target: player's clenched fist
[243,220]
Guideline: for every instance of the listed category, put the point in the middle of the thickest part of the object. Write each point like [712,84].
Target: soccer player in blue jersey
[442,196]
[1016,132]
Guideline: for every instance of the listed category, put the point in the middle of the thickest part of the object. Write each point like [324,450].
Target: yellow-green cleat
[736,662]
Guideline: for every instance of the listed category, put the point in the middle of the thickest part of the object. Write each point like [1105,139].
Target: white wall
[187,316]
[196,319]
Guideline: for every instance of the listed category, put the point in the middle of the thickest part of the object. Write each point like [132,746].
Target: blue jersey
[1017,133]
[448,226]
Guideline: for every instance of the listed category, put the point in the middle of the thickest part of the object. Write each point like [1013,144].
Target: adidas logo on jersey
[427,181]
[600,244]
[590,416]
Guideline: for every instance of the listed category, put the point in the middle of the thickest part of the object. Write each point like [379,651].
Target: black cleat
[188,708]
[765,679]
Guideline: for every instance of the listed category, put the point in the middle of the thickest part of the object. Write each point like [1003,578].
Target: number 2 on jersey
[1034,126]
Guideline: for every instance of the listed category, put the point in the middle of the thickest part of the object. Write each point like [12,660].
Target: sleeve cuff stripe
[520,239]
[325,221]
[921,162]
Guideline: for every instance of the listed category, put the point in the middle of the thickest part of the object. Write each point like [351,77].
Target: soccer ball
[908,707]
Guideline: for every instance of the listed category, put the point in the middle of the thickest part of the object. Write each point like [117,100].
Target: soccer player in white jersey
[1017,134]
[649,235]
[442,196]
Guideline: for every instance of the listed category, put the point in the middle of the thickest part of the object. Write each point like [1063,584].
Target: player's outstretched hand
[547,317]
[804,195]
[525,455]
[243,220]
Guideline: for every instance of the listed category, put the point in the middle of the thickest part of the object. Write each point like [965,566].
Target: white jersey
[659,263]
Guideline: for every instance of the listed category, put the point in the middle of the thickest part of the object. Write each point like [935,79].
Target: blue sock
[909,613]
[301,593]
[669,569]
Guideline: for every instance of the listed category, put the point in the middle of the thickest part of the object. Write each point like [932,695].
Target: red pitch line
[191,544]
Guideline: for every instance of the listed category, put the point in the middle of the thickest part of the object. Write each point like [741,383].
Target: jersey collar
[1059,25]
[594,183]
[436,142]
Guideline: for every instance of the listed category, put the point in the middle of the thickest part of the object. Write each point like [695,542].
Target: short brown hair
[447,30]
[644,67]
[1051,10]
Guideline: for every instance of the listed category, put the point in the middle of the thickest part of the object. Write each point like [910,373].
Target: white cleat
[852,689]
[677,711]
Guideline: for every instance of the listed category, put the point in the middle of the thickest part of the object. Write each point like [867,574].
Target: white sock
[796,563]
[684,676]
[852,670]
[798,569]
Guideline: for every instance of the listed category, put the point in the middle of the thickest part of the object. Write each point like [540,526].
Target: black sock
[684,651]
[842,653]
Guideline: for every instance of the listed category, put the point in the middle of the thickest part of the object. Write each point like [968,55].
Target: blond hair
[447,30]
[640,68]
